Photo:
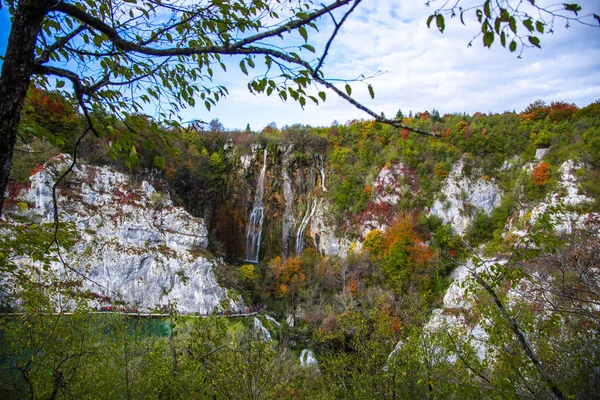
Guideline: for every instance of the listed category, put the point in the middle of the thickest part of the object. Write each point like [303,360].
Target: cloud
[425,69]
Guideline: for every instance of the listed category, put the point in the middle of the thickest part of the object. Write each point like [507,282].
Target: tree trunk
[16,75]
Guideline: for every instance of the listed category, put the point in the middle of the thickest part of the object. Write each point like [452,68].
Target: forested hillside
[379,262]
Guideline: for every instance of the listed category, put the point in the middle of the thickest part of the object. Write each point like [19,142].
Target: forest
[388,318]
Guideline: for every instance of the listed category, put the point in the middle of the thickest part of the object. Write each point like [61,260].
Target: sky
[421,69]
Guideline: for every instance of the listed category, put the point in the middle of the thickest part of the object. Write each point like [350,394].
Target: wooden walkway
[151,315]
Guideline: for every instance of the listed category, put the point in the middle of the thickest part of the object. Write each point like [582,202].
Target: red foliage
[37,169]
[43,102]
[540,174]
[14,188]
[561,111]
[404,134]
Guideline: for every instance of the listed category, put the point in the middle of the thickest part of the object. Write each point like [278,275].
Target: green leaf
[97,40]
[60,84]
[322,95]
[503,39]
[572,7]
[512,46]
[371,92]
[534,41]
[539,25]
[497,25]
[479,14]
[309,47]
[528,24]
[439,21]
[512,22]
[250,62]
[303,33]
[243,67]
[487,9]
[488,39]
[429,20]
[348,89]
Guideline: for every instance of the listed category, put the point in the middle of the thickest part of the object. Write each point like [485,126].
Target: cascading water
[260,329]
[310,211]
[308,359]
[319,163]
[255,221]
[288,194]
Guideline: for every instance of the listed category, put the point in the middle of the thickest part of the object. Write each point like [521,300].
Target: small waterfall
[319,163]
[259,328]
[273,320]
[310,211]
[307,359]
[255,221]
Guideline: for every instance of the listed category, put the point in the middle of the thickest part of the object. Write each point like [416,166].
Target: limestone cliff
[133,243]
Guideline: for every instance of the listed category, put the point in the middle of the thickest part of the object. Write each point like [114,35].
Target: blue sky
[423,69]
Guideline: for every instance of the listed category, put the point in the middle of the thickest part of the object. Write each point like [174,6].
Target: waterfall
[255,221]
[307,359]
[288,217]
[260,329]
[310,211]
[319,163]
[273,320]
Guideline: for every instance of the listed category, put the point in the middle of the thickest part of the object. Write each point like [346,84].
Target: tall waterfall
[255,222]
[319,163]
[310,211]
[288,216]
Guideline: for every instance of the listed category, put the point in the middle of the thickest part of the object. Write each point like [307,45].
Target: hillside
[390,264]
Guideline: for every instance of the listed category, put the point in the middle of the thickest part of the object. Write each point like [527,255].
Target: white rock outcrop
[565,221]
[133,243]
[460,194]
[326,242]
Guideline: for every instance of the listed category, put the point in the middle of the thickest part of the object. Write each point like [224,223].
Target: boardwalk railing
[151,315]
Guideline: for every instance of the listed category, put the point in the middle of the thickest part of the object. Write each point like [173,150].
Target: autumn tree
[540,174]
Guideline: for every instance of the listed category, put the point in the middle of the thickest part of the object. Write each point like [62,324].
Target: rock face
[461,195]
[565,221]
[391,185]
[326,241]
[133,244]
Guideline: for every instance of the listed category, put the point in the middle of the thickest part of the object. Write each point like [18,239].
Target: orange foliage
[441,170]
[368,191]
[289,274]
[540,174]
[404,134]
[560,111]
[37,169]
[402,233]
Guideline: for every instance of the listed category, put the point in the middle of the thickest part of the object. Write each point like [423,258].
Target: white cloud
[426,70]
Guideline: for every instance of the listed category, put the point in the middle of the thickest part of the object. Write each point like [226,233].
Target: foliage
[540,174]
